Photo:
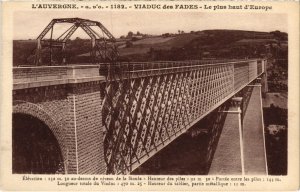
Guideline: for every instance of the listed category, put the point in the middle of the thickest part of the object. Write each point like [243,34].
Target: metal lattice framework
[148,105]
[102,45]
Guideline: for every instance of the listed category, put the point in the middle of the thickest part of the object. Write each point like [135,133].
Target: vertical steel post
[51,45]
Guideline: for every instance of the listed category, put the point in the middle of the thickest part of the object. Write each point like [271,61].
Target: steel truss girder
[143,113]
[76,21]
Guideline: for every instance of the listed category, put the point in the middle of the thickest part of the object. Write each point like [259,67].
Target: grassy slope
[217,43]
[208,40]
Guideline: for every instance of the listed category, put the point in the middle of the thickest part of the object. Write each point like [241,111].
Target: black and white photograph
[149,90]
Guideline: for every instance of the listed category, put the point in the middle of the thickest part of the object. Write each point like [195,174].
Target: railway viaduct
[95,132]
[110,118]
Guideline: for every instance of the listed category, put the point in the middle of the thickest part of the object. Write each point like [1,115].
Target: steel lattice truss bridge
[147,105]
[153,103]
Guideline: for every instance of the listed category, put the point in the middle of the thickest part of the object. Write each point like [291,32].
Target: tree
[279,35]
[130,34]
[166,35]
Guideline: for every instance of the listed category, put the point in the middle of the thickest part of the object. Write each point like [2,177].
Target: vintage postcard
[149,95]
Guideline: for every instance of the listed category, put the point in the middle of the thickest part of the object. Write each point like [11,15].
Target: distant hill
[207,43]
[22,50]
[185,46]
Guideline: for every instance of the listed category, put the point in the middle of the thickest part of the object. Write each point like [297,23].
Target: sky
[29,24]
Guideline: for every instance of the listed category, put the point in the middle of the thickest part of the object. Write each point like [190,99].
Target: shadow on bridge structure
[117,118]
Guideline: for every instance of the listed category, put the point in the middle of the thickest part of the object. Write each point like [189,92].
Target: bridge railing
[147,107]
[33,76]
[137,69]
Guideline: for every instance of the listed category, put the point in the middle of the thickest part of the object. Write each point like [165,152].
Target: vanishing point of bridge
[110,118]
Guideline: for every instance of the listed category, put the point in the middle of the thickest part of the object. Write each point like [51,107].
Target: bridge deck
[253,136]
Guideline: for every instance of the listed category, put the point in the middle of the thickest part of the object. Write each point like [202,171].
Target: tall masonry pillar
[228,156]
